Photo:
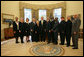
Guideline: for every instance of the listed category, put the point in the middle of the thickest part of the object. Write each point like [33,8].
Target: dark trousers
[55,37]
[36,37]
[75,40]
[33,36]
[16,39]
[68,38]
[16,35]
[52,37]
[43,36]
[62,38]
[21,37]
[49,36]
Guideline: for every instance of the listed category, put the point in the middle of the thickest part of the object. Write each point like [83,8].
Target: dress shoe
[17,42]
[67,46]
[74,48]
[22,42]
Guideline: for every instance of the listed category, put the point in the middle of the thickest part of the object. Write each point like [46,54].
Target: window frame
[31,15]
[38,14]
[57,8]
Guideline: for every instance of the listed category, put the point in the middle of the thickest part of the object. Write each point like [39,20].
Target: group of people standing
[50,27]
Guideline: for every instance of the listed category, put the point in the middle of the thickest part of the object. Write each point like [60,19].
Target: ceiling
[42,2]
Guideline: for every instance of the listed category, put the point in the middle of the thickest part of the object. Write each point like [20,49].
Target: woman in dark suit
[37,31]
[27,29]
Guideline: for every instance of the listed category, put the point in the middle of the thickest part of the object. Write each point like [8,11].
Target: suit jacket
[76,25]
[22,28]
[32,26]
[42,27]
[52,24]
[62,26]
[48,26]
[27,27]
[68,27]
[15,26]
[56,26]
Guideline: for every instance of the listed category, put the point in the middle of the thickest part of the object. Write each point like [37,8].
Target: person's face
[22,20]
[17,19]
[41,18]
[48,19]
[27,20]
[68,18]
[56,19]
[33,20]
[75,16]
[62,19]
[37,22]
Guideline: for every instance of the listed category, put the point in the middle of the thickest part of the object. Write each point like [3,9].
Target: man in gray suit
[75,31]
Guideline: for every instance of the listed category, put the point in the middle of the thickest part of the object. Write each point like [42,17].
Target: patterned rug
[46,50]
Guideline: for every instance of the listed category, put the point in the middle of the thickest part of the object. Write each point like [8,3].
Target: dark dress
[37,30]
[27,29]
[62,31]
[16,35]
[68,31]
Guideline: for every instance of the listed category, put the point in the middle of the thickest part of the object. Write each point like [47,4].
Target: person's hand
[49,31]
[62,32]
[35,31]
[74,32]
[19,31]
[14,31]
[31,30]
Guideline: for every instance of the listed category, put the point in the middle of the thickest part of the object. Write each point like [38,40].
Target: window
[27,14]
[42,13]
[57,13]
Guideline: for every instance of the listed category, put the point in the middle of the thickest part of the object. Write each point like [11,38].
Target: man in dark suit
[16,29]
[22,29]
[42,29]
[56,30]
[68,30]
[62,30]
[48,29]
[52,32]
[32,29]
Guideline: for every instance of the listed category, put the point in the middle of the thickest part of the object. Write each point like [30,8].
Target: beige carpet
[10,48]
